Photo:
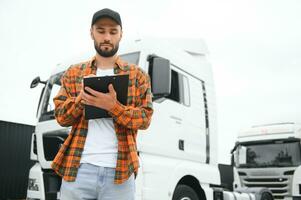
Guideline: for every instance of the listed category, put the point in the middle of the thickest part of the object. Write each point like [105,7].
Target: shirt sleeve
[68,106]
[138,117]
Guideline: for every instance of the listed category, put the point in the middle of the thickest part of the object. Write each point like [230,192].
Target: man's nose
[107,37]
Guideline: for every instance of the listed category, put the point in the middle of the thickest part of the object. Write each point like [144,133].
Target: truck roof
[184,52]
[270,131]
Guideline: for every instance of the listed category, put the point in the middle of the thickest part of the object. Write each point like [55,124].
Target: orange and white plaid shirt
[69,111]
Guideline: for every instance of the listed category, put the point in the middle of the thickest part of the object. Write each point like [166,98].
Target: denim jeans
[94,182]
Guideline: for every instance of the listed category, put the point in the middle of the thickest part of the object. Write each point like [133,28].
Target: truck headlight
[32,184]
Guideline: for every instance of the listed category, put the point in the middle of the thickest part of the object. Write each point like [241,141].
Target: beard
[106,53]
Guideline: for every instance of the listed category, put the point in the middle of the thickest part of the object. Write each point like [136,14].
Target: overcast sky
[255,50]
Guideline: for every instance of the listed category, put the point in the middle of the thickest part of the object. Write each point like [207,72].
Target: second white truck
[270,156]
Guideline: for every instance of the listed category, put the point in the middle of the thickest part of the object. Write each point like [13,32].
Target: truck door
[194,135]
[178,123]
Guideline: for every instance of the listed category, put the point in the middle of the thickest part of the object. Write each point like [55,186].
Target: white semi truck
[178,152]
[270,156]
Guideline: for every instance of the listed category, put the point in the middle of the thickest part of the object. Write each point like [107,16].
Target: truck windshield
[54,84]
[275,154]
[52,88]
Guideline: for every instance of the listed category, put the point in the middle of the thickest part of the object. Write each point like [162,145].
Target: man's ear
[91,33]
[121,34]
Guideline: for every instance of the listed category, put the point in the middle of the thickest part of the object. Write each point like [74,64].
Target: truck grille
[280,187]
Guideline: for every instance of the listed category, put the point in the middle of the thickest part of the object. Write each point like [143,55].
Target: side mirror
[160,74]
[35,82]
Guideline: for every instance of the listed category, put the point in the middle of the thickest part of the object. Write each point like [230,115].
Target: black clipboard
[101,83]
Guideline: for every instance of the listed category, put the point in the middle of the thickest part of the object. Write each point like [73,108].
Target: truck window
[186,91]
[54,91]
[175,89]
[51,90]
[132,58]
[273,154]
[179,88]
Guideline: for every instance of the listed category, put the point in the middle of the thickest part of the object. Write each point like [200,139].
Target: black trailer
[15,141]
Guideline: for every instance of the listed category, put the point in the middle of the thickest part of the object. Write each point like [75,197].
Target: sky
[255,51]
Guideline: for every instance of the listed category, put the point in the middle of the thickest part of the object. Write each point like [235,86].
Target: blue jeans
[94,182]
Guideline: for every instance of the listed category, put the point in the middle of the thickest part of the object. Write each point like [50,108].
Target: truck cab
[270,156]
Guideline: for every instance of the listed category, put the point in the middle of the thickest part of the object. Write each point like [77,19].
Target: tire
[266,196]
[184,192]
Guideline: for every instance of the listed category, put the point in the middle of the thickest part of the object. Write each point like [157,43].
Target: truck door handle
[181,145]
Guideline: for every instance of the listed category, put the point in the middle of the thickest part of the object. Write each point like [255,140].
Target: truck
[269,155]
[178,152]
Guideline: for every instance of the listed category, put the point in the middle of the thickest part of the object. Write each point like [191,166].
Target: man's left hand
[99,99]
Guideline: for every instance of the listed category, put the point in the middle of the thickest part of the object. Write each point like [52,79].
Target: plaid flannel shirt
[127,119]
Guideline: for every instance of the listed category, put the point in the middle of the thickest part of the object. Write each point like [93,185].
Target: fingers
[112,90]
[99,99]
[91,99]
[93,92]
[87,98]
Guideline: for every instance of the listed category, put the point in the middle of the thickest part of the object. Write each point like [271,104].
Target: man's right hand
[82,86]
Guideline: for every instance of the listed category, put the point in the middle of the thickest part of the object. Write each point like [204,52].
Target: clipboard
[101,83]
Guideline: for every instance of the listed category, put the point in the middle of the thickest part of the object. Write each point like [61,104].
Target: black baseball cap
[106,12]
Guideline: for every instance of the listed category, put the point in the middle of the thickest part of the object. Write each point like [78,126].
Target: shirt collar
[119,63]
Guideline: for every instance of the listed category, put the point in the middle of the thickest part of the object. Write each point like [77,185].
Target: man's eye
[101,32]
[114,33]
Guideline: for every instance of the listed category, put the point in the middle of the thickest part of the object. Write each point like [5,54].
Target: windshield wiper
[255,165]
[282,165]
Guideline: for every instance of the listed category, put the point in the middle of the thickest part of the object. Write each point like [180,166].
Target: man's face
[106,34]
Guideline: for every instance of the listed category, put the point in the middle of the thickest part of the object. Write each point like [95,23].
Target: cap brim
[105,16]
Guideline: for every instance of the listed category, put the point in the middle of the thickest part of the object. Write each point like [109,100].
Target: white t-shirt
[101,146]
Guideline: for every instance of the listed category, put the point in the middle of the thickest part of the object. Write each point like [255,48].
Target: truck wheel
[266,196]
[184,192]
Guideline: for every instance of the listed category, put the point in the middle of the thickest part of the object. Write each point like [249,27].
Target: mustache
[106,43]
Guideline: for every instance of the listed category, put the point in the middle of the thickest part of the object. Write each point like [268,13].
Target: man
[99,158]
